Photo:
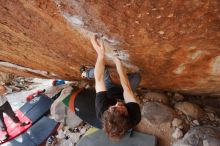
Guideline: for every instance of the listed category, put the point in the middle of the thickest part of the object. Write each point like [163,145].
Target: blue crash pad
[37,107]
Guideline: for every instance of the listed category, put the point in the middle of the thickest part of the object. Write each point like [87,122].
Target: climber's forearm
[128,93]
[99,74]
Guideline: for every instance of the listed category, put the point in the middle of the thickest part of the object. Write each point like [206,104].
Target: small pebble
[196,122]
[177,133]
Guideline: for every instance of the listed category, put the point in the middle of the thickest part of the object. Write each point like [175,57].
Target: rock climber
[110,107]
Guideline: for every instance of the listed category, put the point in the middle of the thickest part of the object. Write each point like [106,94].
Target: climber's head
[116,121]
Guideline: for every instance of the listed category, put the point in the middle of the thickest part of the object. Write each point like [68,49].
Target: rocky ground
[171,116]
[175,119]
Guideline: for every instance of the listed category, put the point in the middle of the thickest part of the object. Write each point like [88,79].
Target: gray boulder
[157,113]
[201,136]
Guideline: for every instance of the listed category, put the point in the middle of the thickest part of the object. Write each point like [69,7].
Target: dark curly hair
[115,123]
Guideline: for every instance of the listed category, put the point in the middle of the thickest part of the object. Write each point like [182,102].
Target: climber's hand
[115,58]
[98,45]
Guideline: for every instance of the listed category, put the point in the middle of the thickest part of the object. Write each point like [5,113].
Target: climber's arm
[100,64]
[128,93]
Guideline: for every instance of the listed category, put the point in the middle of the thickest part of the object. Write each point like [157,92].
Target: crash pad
[36,135]
[37,107]
[31,112]
[99,138]
[14,129]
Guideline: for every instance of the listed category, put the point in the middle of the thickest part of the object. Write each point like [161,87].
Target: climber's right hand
[98,45]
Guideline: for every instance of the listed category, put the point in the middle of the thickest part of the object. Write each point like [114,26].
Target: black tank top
[84,105]
[90,106]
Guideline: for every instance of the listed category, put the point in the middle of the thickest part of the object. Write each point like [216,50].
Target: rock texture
[177,133]
[174,43]
[201,136]
[157,113]
[176,122]
[156,97]
[6,78]
[190,109]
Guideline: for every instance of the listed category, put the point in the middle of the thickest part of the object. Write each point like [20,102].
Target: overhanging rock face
[175,44]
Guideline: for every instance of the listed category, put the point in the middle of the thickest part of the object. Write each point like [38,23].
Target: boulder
[200,136]
[174,43]
[157,113]
[190,109]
